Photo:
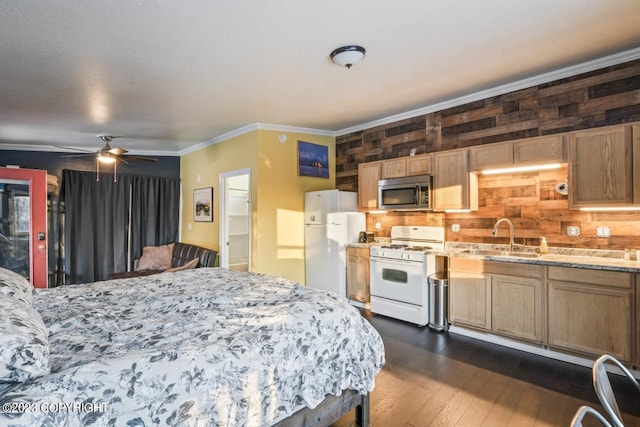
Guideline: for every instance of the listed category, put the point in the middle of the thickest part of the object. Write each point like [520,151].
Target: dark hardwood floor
[443,379]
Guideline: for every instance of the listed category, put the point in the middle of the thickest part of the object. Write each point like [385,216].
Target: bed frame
[331,410]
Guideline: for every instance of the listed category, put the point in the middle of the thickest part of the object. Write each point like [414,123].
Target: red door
[23,223]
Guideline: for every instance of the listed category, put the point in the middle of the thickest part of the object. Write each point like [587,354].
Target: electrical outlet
[603,231]
[573,231]
[378,226]
[455,228]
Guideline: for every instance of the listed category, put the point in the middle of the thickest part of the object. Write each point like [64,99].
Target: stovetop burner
[406,247]
[394,246]
[418,248]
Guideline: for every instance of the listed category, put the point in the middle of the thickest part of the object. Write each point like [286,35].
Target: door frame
[224,219]
[37,179]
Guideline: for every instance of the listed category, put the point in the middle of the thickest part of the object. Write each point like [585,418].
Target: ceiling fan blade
[138,158]
[118,151]
[75,149]
[88,154]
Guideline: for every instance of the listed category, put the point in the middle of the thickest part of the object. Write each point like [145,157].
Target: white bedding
[206,346]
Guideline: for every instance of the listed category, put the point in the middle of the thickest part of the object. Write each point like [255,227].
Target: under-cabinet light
[377,212]
[457,210]
[611,209]
[522,169]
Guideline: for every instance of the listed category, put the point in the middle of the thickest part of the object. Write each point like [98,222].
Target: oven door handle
[395,261]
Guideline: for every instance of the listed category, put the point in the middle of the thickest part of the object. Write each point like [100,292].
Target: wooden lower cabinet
[516,307]
[358,274]
[590,312]
[578,311]
[470,299]
[503,298]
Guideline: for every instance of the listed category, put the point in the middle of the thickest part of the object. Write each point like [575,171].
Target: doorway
[23,223]
[235,224]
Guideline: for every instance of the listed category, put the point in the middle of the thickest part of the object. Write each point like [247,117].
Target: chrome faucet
[494,233]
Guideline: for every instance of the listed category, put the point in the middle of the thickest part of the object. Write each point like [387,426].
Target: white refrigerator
[331,221]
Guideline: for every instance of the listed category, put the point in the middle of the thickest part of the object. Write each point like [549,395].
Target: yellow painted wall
[277,195]
[280,243]
[237,153]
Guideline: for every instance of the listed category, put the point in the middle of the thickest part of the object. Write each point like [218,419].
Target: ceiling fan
[109,155]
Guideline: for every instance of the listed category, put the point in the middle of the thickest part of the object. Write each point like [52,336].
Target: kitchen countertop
[561,257]
[595,259]
[377,242]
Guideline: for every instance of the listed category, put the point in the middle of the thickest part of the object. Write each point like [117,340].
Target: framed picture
[203,204]
[313,160]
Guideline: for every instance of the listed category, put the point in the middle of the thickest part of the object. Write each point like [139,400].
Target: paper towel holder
[562,188]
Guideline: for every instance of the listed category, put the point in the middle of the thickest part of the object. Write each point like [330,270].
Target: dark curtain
[96,225]
[155,210]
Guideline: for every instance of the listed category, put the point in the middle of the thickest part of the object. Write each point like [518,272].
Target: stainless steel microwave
[410,193]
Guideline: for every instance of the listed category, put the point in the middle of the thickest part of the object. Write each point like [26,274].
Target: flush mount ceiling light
[346,56]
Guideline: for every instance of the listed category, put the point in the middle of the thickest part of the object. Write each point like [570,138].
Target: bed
[200,347]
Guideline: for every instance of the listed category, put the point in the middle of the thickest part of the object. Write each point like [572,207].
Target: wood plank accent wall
[536,209]
[599,98]
[531,202]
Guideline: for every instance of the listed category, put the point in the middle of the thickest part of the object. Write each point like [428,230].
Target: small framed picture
[313,160]
[203,204]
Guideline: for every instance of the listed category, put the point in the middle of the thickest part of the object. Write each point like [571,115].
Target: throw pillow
[191,264]
[14,285]
[156,257]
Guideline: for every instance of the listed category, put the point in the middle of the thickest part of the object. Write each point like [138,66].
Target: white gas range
[399,272]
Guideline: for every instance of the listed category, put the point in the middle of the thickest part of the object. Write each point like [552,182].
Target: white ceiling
[170,74]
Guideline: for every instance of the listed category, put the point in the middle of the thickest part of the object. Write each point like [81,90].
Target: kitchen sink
[492,252]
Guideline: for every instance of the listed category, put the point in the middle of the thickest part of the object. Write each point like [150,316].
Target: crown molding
[89,150]
[255,127]
[585,67]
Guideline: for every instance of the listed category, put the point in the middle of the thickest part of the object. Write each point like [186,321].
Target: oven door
[398,280]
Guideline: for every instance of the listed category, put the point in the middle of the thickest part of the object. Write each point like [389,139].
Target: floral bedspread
[200,347]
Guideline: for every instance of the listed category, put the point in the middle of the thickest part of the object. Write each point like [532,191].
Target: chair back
[584,410]
[603,388]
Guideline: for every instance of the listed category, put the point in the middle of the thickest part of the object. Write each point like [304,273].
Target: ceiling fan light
[106,158]
[346,56]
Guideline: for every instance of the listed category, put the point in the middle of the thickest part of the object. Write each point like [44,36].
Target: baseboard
[530,348]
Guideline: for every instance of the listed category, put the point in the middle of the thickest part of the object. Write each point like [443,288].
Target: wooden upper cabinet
[394,168]
[526,152]
[406,166]
[455,187]
[368,177]
[419,165]
[601,169]
[491,156]
[539,151]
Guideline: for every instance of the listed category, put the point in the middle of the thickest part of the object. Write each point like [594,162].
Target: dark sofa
[182,254]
